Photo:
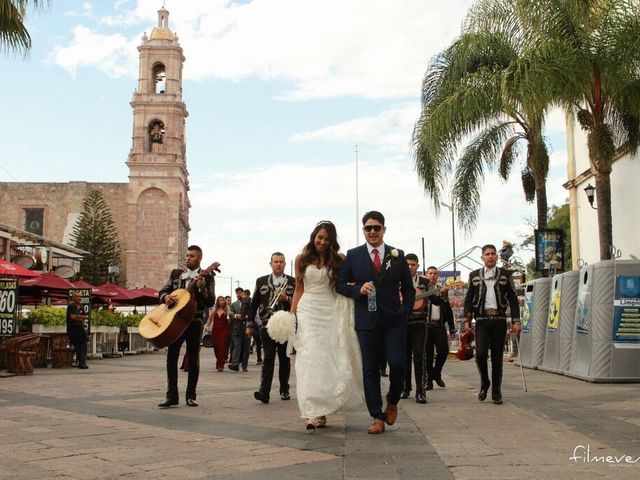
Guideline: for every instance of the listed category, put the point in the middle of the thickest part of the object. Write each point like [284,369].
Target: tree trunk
[541,204]
[605,222]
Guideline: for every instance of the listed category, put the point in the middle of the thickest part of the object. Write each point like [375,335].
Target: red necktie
[377,264]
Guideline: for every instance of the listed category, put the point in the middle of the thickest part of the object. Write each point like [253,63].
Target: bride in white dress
[328,364]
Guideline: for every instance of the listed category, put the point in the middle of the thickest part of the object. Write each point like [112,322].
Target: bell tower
[157,203]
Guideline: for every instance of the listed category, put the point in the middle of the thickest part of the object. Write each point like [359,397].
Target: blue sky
[279,93]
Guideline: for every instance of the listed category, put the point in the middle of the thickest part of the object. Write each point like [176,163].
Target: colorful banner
[549,250]
[626,310]
[8,305]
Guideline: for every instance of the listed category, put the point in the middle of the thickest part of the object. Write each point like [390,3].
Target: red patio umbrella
[96,292]
[117,293]
[47,285]
[8,268]
[48,281]
[144,296]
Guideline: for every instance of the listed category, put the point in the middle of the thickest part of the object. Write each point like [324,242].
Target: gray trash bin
[606,335]
[534,322]
[560,316]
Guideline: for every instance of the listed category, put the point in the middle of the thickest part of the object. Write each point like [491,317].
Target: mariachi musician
[272,293]
[439,313]
[416,332]
[205,297]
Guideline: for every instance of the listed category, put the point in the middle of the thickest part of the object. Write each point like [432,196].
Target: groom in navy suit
[382,326]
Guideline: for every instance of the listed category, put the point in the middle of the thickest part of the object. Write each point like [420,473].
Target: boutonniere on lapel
[393,253]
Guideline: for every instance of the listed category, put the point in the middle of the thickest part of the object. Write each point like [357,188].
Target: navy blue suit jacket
[393,279]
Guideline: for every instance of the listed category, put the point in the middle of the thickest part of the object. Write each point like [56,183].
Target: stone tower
[157,201]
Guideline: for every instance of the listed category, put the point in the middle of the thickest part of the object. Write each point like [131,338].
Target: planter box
[104,341]
[137,343]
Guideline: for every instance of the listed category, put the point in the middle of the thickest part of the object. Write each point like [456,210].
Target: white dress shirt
[380,249]
[489,277]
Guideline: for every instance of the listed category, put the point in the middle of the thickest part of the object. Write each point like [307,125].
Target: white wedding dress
[328,362]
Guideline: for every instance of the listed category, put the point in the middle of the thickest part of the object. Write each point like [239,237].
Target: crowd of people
[356,315]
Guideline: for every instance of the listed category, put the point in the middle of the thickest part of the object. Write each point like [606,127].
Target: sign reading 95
[8,305]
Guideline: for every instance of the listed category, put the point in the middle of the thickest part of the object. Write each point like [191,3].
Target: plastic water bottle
[372,305]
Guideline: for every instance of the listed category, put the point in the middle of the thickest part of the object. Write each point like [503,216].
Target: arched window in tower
[159,77]
[156,133]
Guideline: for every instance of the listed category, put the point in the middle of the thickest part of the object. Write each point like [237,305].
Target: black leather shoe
[421,398]
[405,394]
[496,397]
[285,396]
[482,394]
[440,383]
[263,397]
[429,385]
[83,366]
[191,402]
[168,403]
[233,366]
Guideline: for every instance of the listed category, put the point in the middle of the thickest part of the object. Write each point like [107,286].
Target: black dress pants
[490,334]
[416,335]
[436,340]
[271,347]
[192,338]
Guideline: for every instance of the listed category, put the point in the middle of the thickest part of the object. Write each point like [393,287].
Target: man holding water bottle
[377,278]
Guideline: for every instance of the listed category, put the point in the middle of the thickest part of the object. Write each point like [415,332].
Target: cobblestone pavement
[104,423]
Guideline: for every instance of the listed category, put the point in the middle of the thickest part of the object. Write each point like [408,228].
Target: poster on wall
[549,245]
[626,310]
[583,314]
[528,309]
[85,305]
[8,305]
[553,318]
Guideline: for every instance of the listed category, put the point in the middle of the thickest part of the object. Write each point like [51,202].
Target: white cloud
[374,49]
[86,10]
[113,54]
[390,129]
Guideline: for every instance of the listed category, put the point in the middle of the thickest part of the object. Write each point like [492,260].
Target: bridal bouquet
[282,326]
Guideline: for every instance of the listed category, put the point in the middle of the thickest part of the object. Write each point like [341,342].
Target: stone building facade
[151,211]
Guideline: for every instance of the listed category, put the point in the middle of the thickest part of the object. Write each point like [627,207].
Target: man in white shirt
[491,293]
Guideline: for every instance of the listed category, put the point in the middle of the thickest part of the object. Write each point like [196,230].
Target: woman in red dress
[220,331]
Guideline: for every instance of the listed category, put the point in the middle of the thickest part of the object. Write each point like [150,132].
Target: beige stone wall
[62,203]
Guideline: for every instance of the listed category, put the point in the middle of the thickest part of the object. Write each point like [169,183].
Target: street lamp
[453,237]
[590,190]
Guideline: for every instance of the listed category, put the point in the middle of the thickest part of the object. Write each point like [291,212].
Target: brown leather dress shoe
[376,427]
[392,413]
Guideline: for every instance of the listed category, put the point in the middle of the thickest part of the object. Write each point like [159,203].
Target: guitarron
[163,325]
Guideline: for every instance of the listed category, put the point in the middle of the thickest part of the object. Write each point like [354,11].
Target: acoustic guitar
[420,301]
[163,325]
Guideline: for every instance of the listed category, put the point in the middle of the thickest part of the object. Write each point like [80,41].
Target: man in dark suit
[272,293]
[375,275]
[490,293]
[205,297]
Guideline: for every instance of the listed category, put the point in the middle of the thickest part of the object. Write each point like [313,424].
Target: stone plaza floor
[104,423]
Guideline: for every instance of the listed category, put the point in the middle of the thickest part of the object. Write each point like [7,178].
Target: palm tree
[598,42]
[476,90]
[13,33]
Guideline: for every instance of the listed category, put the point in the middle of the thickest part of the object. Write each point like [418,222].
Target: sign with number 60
[8,305]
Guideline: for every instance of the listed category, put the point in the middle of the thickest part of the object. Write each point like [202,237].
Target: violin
[465,351]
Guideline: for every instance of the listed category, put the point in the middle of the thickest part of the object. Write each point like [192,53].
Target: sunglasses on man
[375,228]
